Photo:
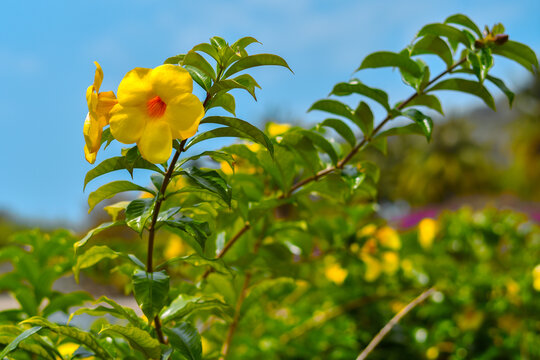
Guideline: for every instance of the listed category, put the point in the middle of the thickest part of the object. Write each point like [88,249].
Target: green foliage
[277,253]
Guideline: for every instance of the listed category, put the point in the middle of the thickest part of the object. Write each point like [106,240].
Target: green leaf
[431,44]
[218,43]
[82,337]
[364,118]
[210,180]
[333,107]
[466,86]
[430,101]
[193,59]
[251,131]
[446,31]
[223,100]
[497,82]
[217,156]
[319,141]
[255,60]
[175,60]
[151,291]
[138,212]
[208,49]
[117,311]
[199,77]
[107,191]
[197,260]
[96,231]
[355,86]
[411,129]
[424,121]
[139,340]
[197,232]
[390,59]
[502,86]
[185,339]
[13,345]
[62,302]
[242,43]
[244,82]
[184,305]
[341,128]
[463,20]
[117,163]
[518,52]
[91,257]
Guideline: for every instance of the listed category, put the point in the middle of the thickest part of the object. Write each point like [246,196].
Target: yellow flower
[390,262]
[427,229]
[373,268]
[175,247]
[154,107]
[275,129]
[335,273]
[99,107]
[389,238]
[536,277]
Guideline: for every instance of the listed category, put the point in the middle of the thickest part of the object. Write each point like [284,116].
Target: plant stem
[226,248]
[155,214]
[342,162]
[236,319]
[386,329]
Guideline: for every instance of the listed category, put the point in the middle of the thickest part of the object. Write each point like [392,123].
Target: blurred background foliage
[322,289]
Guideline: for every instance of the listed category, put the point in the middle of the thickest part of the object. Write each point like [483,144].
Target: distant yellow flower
[427,229]
[367,230]
[277,129]
[389,238]
[335,273]
[373,268]
[536,277]
[154,107]
[99,107]
[175,247]
[390,262]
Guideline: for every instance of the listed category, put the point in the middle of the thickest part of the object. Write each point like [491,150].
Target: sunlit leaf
[463,20]
[184,305]
[466,86]
[117,163]
[424,121]
[255,60]
[137,338]
[341,128]
[151,291]
[520,53]
[355,86]
[107,191]
[96,231]
[185,339]
[447,31]
[82,337]
[390,59]
[431,44]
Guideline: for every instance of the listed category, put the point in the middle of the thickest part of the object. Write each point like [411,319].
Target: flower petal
[155,144]
[92,133]
[89,156]
[135,88]
[98,76]
[184,114]
[127,123]
[106,101]
[169,81]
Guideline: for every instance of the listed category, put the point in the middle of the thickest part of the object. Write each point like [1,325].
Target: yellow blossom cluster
[153,107]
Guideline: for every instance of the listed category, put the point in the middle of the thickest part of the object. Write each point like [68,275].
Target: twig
[344,161]
[386,329]
[226,248]
[236,319]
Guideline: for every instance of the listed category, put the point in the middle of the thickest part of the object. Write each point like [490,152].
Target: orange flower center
[156,107]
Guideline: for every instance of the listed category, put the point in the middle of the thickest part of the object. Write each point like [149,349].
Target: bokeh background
[47,51]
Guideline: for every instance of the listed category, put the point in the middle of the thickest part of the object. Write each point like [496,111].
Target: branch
[236,319]
[341,163]
[386,329]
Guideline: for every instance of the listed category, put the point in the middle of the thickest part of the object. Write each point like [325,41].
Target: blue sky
[47,51]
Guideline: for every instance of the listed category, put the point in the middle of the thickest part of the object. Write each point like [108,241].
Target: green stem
[155,214]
